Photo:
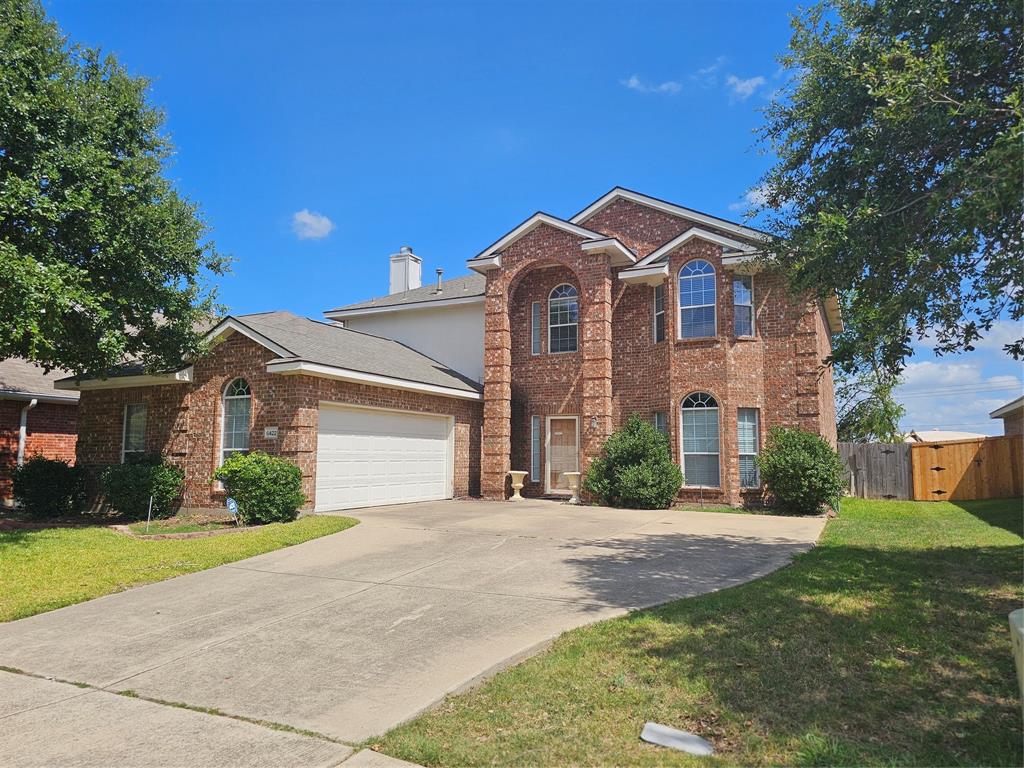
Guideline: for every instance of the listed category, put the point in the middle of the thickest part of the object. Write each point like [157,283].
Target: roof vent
[406,271]
[439,273]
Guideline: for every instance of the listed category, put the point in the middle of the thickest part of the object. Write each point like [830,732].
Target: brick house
[35,419]
[563,329]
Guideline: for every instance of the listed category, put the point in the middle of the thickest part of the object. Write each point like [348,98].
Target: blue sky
[319,137]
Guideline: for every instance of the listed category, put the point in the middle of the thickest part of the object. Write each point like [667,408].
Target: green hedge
[49,487]
[127,487]
[801,471]
[268,489]
[635,469]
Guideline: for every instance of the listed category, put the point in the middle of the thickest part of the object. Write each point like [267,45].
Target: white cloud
[310,225]
[953,396]
[1003,332]
[634,83]
[707,77]
[755,197]
[741,89]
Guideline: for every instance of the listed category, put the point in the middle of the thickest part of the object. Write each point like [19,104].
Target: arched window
[563,319]
[235,427]
[700,440]
[697,300]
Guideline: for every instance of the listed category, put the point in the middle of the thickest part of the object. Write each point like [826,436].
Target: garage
[369,457]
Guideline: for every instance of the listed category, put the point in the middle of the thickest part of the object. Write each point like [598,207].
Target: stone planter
[517,484]
[573,479]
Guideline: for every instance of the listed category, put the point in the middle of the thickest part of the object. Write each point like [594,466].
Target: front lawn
[45,569]
[885,645]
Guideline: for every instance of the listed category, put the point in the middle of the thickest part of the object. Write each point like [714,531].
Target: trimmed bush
[268,489]
[635,469]
[127,487]
[49,487]
[801,470]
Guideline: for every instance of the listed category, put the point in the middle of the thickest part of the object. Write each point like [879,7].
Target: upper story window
[133,436]
[563,319]
[659,312]
[743,305]
[237,415]
[697,300]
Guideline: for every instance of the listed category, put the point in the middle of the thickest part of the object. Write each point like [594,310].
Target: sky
[319,137]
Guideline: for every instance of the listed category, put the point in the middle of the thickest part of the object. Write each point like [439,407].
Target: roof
[1005,410]
[314,341]
[464,287]
[21,379]
[939,436]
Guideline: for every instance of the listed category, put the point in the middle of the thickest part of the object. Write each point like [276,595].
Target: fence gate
[981,468]
[878,470]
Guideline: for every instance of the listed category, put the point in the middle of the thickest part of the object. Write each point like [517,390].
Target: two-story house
[562,329]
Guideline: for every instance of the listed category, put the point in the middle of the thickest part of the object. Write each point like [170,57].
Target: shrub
[268,489]
[127,487]
[635,469]
[801,470]
[49,488]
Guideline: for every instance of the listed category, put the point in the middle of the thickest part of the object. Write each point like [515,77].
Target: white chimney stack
[406,271]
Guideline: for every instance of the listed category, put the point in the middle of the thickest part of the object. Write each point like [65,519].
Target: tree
[898,180]
[866,409]
[102,261]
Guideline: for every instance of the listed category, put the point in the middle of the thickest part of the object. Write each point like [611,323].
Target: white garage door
[366,458]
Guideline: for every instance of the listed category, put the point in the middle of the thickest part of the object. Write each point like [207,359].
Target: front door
[563,452]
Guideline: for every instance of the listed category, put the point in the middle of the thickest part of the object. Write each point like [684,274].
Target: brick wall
[50,432]
[1014,424]
[778,371]
[183,420]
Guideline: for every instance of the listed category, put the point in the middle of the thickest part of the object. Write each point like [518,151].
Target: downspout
[22,429]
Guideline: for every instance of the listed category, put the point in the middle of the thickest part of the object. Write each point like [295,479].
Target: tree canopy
[101,260]
[898,180]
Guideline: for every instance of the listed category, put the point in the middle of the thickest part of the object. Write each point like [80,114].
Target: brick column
[496,443]
[596,335]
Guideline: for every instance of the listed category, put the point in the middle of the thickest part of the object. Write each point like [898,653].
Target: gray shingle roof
[20,377]
[456,288]
[314,341]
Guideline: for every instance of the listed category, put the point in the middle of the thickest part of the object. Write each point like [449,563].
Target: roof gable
[488,258]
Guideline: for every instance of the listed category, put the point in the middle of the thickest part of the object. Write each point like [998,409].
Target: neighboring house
[568,326]
[938,436]
[1012,415]
[35,419]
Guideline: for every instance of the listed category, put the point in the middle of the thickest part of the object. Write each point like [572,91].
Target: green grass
[45,569]
[885,645]
[169,526]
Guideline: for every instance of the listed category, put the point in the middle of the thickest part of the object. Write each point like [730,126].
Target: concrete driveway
[351,634]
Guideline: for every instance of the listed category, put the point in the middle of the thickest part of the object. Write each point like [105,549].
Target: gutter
[22,429]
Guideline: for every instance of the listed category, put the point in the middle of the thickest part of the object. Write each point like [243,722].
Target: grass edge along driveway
[41,570]
[887,644]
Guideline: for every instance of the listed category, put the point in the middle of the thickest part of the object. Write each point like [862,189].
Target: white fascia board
[702,234]
[620,254]
[293,367]
[48,398]
[483,266]
[184,376]
[833,314]
[526,227]
[654,274]
[341,314]
[230,325]
[661,205]
[1010,407]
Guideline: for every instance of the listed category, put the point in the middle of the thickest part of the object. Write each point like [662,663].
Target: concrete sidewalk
[351,634]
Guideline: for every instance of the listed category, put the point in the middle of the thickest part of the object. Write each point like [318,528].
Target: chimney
[406,270]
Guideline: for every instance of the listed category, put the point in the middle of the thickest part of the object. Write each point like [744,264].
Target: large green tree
[898,180]
[101,260]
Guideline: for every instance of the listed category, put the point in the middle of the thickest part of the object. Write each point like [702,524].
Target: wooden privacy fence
[878,470]
[981,468]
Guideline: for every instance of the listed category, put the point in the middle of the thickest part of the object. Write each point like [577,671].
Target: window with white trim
[659,312]
[237,415]
[743,305]
[535,328]
[563,319]
[535,449]
[660,420]
[748,440]
[697,300]
[133,437]
[700,440]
